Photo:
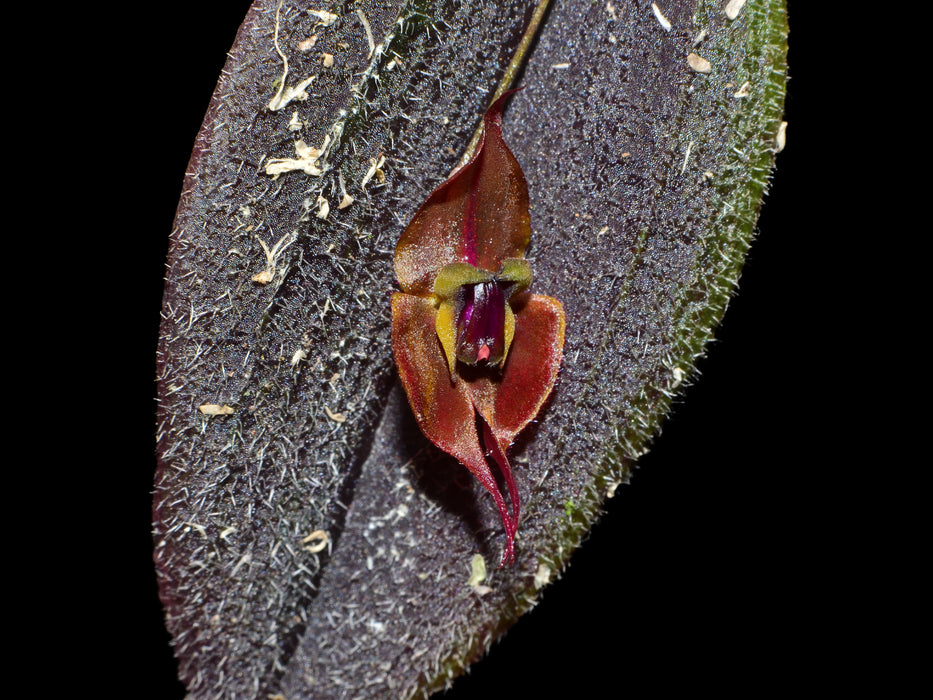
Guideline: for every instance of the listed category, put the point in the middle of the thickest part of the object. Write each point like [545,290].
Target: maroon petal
[442,406]
[510,400]
[496,451]
[479,216]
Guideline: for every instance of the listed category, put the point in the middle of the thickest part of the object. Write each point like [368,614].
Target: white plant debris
[286,94]
[345,199]
[264,277]
[327,60]
[375,168]
[336,417]
[698,63]
[307,160]
[542,576]
[368,30]
[268,274]
[560,66]
[698,39]
[294,123]
[781,139]
[683,167]
[320,540]
[299,356]
[213,409]
[200,528]
[679,374]
[323,207]
[733,8]
[324,18]
[478,575]
[611,9]
[308,43]
[662,20]
[743,91]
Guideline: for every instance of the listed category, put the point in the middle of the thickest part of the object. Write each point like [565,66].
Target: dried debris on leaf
[375,168]
[478,575]
[323,207]
[213,409]
[307,160]
[268,274]
[336,417]
[780,140]
[662,20]
[324,18]
[698,63]
[368,30]
[733,8]
[316,542]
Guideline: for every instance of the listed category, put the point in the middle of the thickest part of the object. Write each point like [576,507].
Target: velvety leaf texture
[309,540]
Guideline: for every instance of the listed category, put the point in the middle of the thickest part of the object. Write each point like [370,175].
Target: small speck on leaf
[733,8]
[213,409]
[478,575]
[781,139]
[662,20]
[323,208]
[698,63]
[264,277]
[542,576]
[375,168]
[306,161]
[324,18]
[336,417]
[317,541]
[200,528]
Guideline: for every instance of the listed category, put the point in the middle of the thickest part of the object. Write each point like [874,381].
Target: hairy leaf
[279,430]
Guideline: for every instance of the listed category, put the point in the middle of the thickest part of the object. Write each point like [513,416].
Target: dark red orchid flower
[468,339]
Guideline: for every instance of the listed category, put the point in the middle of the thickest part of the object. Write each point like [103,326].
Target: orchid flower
[469,340]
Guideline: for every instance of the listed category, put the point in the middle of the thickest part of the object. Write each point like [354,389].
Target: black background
[718,566]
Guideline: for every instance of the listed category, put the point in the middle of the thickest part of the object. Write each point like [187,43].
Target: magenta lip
[481,323]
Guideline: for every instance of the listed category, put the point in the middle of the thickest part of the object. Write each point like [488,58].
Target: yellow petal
[447,333]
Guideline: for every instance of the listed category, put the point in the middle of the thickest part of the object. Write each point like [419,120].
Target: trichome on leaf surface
[468,339]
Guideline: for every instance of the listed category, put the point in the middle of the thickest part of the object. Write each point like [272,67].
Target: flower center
[481,323]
